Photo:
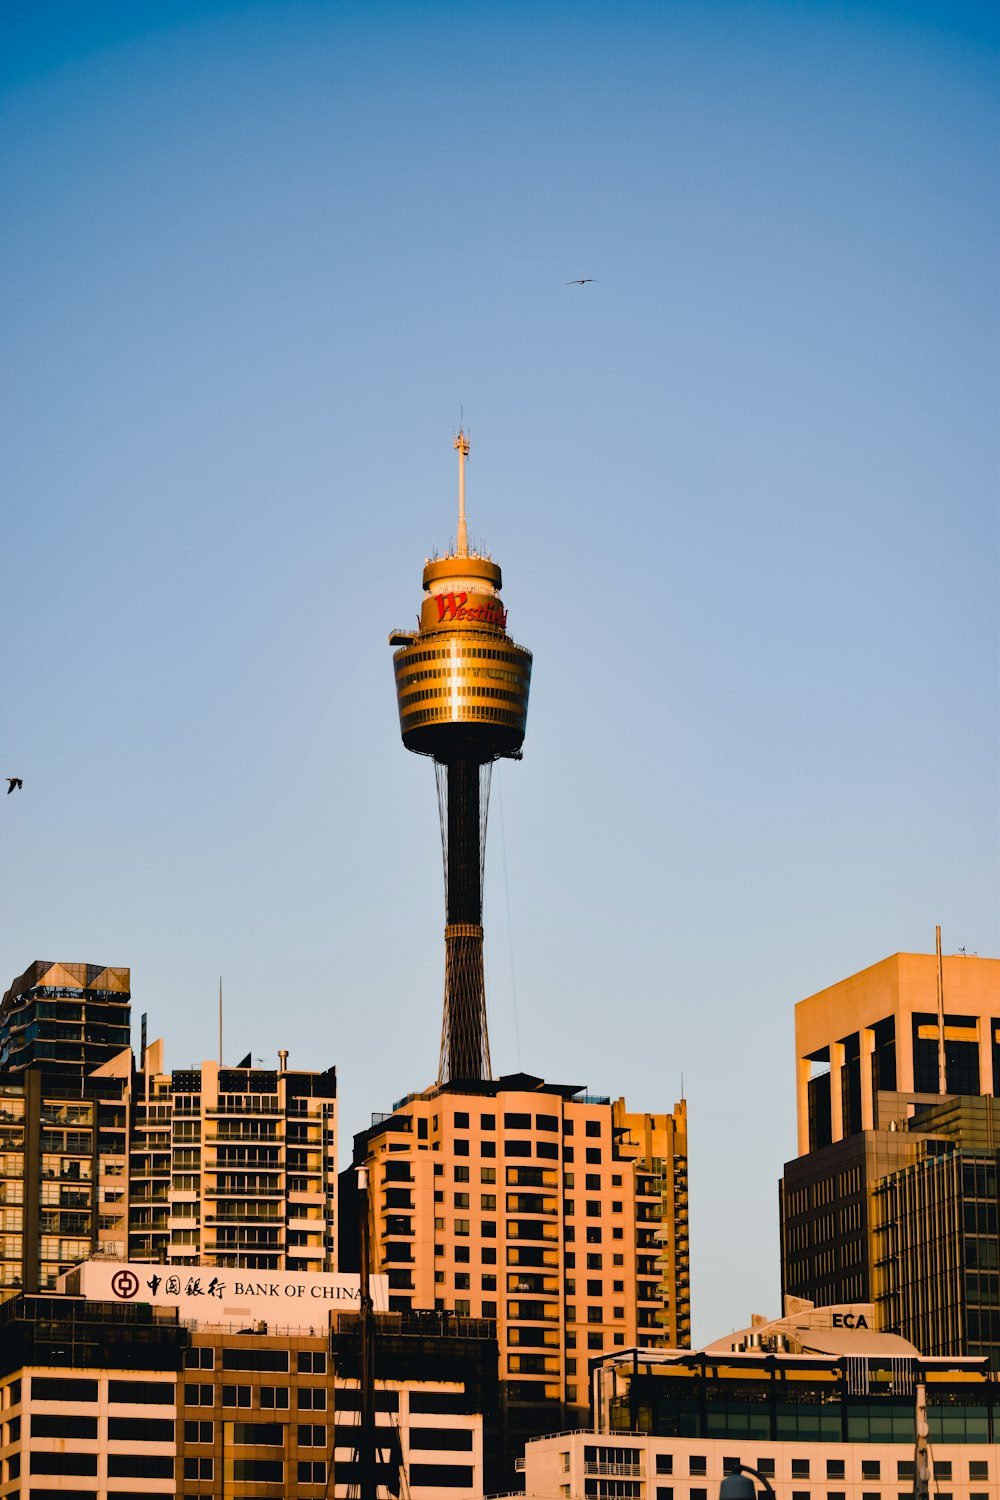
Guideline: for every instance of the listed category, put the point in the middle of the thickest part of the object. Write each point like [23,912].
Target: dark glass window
[140,1393]
[58,1388]
[62,1425]
[141,1429]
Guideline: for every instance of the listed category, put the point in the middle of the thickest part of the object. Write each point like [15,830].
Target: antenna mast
[461,541]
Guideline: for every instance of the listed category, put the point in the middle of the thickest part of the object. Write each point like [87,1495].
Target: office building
[135,1395]
[64,1018]
[894,1196]
[560,1214]
[817,1403]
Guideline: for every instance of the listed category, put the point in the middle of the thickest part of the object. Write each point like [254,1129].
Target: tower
[462,691]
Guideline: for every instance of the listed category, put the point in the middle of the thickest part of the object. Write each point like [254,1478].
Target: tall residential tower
[462,688]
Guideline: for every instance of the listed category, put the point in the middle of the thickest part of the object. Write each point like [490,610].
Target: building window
[461,1119]
[461,1174]
[978,1469]
[312,1471]
[487,1122]
[835,1468]
[594,1156]
[197,1395]
[871,1468]
[311,1398]
[312,1436]
[198,1468]
[237,1395]
[800,1468]
[765,1466]
[199,1432]
[594,1341]
[275,1398]
[462,1281]
[461,1148]
[199,1359]
[698,1466]
[664,1463]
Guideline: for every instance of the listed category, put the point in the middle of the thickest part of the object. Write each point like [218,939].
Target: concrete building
[894,1196]
[817,1402]
[103,1400]
[559,1214]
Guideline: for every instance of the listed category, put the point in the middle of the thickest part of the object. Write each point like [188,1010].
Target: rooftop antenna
[462,445]
[220,1020]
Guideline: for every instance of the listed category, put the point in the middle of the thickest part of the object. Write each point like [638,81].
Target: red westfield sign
[453,607]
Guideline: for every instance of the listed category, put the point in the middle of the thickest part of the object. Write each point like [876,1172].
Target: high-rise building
[558,1213]
[462,691]
[64,1018]
[894,1196]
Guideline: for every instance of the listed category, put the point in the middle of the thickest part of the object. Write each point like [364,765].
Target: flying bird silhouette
[581,280]
[14,783]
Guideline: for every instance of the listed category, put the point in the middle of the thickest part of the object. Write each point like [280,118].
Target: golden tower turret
[462,690]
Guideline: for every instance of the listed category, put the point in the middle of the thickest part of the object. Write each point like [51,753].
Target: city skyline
[258,261]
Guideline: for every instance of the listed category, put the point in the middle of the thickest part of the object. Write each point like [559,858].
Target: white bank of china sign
[218,1294]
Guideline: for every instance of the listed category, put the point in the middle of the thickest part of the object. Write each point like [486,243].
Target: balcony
[613,1471]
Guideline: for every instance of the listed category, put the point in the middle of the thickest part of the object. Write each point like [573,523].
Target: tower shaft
[464,1037]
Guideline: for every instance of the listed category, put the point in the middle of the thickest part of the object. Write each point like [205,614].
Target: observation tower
[462,691]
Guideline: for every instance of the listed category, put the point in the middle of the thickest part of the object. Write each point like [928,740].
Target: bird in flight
[14,783]
[581,280]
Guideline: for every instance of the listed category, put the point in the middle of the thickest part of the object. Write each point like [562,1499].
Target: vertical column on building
[987,1081]
[836,1091]
[802,1100]
[867,1092]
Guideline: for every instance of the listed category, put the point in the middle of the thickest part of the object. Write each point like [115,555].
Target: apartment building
[233,1166]
[558,1213]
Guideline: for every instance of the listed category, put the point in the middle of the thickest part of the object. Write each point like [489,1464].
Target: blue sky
[256,259]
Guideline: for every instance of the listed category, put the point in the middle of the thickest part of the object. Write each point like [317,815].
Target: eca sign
[849,1320]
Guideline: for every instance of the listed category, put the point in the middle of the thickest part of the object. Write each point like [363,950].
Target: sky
[258,261]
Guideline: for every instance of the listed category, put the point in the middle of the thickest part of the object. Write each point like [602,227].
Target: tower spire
[461,542]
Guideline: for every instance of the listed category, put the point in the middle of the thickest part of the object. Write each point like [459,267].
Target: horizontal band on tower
[462,929]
